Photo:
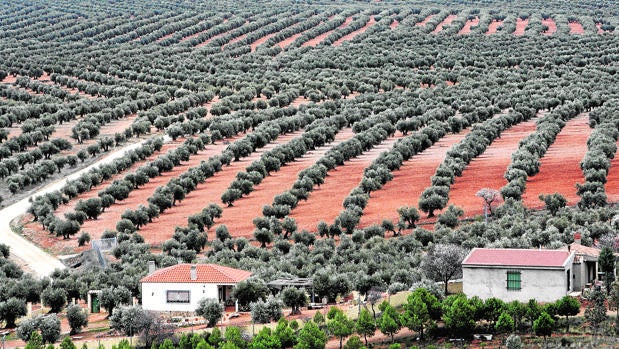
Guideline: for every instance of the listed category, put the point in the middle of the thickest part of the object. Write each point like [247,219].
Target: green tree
[55,298]
[250,290]
[35,341]
[543,325]
[67,343]
[286,335]
[366,325]
[459,314]
[50,328]
[505,323]
[311,337]
[211,310]
[340,325]
[11,309]
[607,262]
[389,322]
[418,310]
[265,340]
[294,298]
[595,314]
[77,318]
[554,202]
[568,306]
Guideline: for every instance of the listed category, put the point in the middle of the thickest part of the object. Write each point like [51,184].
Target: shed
[517,274]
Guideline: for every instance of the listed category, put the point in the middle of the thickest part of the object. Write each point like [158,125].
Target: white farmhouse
[517,274]
[180,288]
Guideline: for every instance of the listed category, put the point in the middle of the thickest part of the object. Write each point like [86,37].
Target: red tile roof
[517,257]
[206,274]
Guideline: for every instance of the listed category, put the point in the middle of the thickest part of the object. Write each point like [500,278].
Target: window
[177,296]
[513,280]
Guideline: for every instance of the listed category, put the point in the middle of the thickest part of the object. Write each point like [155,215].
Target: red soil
[111,215]
[560,167]
[238,38]
[408,182]
[492,28]
[599,26]
[9,79]
[612,180]
[394,24]
[208,192]
[486,171]
[189,37]
[325,202]
[352,35]
[286,42]
[521,26]
[204,43]
[467,26]
[317,40]
[424,22]
[239,217]
[446,21]
[576,28]
[552,26]
[260,41]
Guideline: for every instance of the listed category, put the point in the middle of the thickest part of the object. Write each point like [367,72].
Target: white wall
[154,295]
[543,285]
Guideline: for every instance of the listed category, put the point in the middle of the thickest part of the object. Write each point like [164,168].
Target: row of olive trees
[602,147]
[526,160]
[436,196]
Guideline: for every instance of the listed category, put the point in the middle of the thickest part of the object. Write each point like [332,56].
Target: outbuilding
[517,274]
[180,288]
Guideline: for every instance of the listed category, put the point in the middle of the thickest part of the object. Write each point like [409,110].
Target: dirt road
[36,259]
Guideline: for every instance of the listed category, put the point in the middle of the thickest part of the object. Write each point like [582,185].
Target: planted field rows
[317,40]
[352,35]
[425,21]
[560,167]
[446,21]
[468,25]
[486,170]
[210,191]
[408,182]
[325,202]
[238,218]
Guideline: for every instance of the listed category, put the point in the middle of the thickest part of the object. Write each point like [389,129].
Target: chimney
[151,267]
[577,237]
[193,272]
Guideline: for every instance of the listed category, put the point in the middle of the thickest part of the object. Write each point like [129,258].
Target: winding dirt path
[37,260]
[560,167]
